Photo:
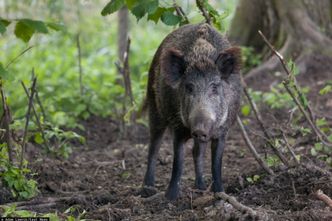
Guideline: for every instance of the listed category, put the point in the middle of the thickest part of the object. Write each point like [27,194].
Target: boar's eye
[189,88]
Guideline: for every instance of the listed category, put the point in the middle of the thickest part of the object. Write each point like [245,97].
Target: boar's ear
[229,61]
[173,66]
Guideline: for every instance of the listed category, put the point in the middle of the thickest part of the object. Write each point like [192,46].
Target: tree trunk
[297,28]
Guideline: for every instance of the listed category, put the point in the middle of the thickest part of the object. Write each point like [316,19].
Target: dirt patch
[104,176]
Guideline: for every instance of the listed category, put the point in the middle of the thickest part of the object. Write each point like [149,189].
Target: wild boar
[194,90]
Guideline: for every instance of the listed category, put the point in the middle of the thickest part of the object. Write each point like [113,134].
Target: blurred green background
[54,56]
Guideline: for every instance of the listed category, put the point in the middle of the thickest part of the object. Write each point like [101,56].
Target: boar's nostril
[200,135]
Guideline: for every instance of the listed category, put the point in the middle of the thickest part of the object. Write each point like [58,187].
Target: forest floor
[104,177]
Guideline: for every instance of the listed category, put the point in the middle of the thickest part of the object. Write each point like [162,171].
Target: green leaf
[38,138]
[318,146]
[38,26]
[139,11]
[157,14]
[147,7]
[3,71]
[131,3]
[112,7]
[256,178]
[245,110]
[3,24]
[170,19]
[325,90]
[55,26]
[313,152]
[125,175]
[23,31]
[320,122]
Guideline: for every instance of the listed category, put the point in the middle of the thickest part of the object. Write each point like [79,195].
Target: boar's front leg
[217,149]
[198,155]
[173,189]
[156,133]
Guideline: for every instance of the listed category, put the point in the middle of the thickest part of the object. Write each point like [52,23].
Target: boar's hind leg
[198,155]
[156,134]
[217,148]
[178,158]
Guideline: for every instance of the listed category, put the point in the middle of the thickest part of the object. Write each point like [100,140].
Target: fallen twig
[252,148]
[236,204]
[39,203]
[261,124]
[27,116]
[306,111]
[200,5]
[323,197]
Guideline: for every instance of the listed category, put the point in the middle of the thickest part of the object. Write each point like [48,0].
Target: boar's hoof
[148,191]
[200,184]
[172,194]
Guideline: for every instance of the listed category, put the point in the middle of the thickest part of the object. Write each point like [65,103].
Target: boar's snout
[200,135]
[201,126]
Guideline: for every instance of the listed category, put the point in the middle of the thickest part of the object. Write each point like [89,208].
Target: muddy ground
[104,176]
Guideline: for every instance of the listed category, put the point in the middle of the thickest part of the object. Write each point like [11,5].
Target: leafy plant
[12,211]
[60,141]
[25,28]
[253,179]
[250,59]
[15,178]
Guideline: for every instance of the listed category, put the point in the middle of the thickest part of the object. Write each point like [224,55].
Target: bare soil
[105,175]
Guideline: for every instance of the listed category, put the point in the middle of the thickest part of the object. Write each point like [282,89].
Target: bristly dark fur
[194,89]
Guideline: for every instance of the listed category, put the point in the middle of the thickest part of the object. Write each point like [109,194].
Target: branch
[290,149]
[18,56]
[36,116]
[6,123]
[237,205]
[79,57]
[309,117]
[261,124]
[126,72]
[40,105]
[323,197]
[180,12]
[252,148]
[27,118]
[200,5]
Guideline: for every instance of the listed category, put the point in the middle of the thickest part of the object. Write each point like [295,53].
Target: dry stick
[200,5]
[237,205]
[252,148]
[323,197]
[36,116]
[126,73]
[32,93]
[79,57]
[6,122]
[180,12]
[40,105]
[290,149]
[18,56]
[261,124]
[318,133]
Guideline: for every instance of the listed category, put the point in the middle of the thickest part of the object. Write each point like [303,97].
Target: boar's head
[200,80]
